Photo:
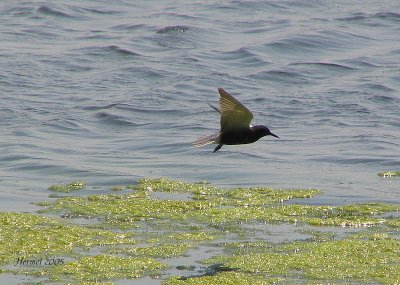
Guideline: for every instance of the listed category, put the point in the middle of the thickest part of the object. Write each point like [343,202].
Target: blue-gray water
[111,91]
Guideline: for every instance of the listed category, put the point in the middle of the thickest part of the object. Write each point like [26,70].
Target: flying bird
[235,124]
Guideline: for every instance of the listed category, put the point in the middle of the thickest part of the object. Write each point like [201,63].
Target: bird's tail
[214,138]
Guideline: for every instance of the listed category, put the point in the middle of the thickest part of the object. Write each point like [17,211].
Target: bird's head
[263,131]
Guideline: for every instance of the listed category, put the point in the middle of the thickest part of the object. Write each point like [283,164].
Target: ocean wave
[318,43]
[20,10]
[383,99]
[116,120]
[104,50]
[362,62]
[243,57]
[117,106]
[388,15]
[320,70]
[97,10]
[362,17]
[53,11]
[325,65]
[281,76]
[377,87]
[128,27]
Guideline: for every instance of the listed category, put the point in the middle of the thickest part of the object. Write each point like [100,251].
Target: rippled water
[109,92]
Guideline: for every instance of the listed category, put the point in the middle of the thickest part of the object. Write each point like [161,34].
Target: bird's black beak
[273,135]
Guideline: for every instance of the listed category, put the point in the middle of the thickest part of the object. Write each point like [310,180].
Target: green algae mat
[195,233]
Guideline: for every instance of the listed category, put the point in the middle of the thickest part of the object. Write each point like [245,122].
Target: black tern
[235,124]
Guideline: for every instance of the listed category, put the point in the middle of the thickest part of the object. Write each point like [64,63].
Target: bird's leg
[218,147]
[215,108]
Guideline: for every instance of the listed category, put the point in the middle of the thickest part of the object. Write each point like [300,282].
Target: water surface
[112,92]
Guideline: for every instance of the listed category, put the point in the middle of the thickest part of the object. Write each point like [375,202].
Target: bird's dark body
[242,136]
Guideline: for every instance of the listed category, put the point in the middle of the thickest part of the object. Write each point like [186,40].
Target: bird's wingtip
[222,92]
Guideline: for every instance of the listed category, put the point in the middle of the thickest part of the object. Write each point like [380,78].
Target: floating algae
[229,278]
[156,251]
[72,186]
[209,205]
[347,259]
[28,235]
[130,234]
[105,267]
[118,188]
[389,174]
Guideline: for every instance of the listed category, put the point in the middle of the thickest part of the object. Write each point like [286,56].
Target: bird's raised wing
[234,116]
